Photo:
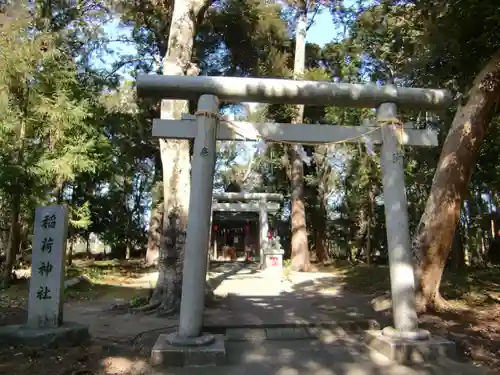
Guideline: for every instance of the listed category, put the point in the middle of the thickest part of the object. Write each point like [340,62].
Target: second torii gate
[206,126]
[263,206]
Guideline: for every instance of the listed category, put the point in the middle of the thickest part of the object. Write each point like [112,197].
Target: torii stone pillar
[396,215]
[263,229]
[200,212]
[195,256]
[404,342]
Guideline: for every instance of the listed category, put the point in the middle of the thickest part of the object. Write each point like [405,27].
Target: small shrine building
[240,225]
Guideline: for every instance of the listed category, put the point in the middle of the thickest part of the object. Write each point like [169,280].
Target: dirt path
[257,299]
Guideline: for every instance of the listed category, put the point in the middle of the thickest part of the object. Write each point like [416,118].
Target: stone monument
[45,325]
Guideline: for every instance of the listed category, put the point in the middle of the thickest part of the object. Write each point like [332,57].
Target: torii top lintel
[286,91]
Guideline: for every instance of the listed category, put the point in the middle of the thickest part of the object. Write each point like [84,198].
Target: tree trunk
[434,235]
[473,229]
[155,225]
[15,226]
[300,248]
[457,259]
[320,231]
[371,219]
[128,250]
[175,158]
[176,184]
[322,170]
[87,244]
[319,243]
[71,230]
[154,235]
[13,245]
[69,255]
[361,219]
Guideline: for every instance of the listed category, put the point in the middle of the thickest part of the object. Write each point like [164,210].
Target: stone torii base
[171,350]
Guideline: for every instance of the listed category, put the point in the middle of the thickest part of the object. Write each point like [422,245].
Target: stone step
[325,335]
[346,325]
[293,357]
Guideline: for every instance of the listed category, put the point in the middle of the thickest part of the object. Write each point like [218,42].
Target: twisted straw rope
[391,121]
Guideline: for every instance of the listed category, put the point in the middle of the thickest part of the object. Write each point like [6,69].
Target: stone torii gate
[206,127]
[265,204]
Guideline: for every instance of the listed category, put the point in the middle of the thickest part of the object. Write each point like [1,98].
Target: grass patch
[474,286]
[92,272]
[107,279]
[86,291]
[17,294]
[99,269]
[362,278]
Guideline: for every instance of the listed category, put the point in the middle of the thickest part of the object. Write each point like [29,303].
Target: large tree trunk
[176,187]
[300,248]
[434,235]
[175,157]
[322,171]
[319,242]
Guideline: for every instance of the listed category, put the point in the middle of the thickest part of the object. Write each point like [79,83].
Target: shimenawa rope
[387,122]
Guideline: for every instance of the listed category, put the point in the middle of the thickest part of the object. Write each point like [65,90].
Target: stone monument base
[69,333]
[407,351]
[170,351]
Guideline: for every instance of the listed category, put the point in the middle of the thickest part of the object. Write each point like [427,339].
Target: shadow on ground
[472,320]
[252,301]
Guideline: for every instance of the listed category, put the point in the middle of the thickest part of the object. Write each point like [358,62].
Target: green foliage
[68,135]
[252,33]
[80,216]
[75,134]
[41,117]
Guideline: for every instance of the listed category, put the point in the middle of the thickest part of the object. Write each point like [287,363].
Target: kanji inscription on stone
[49,221]
[43,293]
[45,268]
[45,304]
[47,244]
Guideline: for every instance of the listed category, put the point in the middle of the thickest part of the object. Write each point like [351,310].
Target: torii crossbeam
[186,128]
[286,91]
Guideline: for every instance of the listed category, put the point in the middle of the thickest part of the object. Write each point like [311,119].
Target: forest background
[74,132]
